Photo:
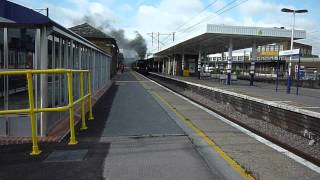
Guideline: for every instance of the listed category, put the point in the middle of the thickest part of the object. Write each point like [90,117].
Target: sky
[183,16]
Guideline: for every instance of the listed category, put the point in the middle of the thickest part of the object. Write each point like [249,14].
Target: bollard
[35,147]
[252,71]
[71,113]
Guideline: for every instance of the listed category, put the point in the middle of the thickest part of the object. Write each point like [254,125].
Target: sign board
[268,53]
[192,66]
[289,52]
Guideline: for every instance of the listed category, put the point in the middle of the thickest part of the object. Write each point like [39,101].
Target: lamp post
[291,46]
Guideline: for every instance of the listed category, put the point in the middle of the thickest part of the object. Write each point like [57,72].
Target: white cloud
[98,10]
[127,7]
[166,16]
[256,7]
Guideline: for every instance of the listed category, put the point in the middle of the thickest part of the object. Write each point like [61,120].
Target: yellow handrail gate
[71,103]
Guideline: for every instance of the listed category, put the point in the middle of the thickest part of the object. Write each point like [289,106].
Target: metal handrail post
[90,96]
[32,110]
[83,115]
[71,113]
[35,147]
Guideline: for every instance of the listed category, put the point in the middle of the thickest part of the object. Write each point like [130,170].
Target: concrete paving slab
[197,114]
[155,158]
[187,107]
[213,125]
[275,166]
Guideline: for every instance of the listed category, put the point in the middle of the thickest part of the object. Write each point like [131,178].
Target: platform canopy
[216,38]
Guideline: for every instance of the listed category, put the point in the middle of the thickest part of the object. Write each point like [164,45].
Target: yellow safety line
[236,166]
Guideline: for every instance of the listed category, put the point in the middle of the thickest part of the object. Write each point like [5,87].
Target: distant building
[101,39]
[236,56]
[271,51]
[266,62]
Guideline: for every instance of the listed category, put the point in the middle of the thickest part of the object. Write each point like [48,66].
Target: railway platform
[145,131]
[308,99]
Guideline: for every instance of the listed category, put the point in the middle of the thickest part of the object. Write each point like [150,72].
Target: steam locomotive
[141,66]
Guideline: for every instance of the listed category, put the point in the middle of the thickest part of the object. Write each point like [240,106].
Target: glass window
[3,129]
[1,48]
[281,47]
[50,66]
[21,54]
[1,67]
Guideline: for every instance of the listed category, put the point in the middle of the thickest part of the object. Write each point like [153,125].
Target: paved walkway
[308,99]
[146,143]
[263,161]
[142,131]
[131,137]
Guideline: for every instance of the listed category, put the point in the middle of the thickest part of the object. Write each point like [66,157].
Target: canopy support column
[229,66]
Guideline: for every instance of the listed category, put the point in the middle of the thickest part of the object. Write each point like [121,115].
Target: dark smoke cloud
[137,44]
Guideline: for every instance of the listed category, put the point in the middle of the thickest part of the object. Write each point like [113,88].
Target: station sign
[289,52]
[268,53]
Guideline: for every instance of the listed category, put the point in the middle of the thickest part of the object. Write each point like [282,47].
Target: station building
[267,61]
[102,40]
[31,40]
[212,48]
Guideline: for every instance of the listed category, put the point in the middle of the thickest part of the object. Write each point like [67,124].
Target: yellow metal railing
[32,110]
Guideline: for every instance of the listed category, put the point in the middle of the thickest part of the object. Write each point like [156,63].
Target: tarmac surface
[131,137]
[146,143]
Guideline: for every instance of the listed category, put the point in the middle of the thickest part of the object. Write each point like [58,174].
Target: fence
[71,103]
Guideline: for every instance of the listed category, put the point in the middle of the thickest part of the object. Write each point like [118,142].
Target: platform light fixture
[293,11]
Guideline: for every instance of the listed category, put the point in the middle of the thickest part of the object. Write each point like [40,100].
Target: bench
[223,77]
[205,75]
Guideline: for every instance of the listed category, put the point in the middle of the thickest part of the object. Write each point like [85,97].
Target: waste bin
[186,73]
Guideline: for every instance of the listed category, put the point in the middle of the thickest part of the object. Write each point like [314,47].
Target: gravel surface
[296,141]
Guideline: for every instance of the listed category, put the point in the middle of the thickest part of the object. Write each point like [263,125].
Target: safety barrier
[71,103]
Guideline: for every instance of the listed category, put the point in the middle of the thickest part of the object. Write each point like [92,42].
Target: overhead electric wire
[183,24]
[215,14]
[230,3]
[209,5]
[217,11]
[220,11]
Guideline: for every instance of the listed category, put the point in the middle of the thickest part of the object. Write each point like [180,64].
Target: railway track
[286,129]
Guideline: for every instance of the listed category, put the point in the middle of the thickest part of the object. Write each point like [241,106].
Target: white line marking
[309,107]
[249,133]
[130,81]
[281,101]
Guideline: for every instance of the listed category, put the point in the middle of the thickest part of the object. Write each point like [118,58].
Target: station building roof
[215,39]
[87,31]
[15,15]
[91,33]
